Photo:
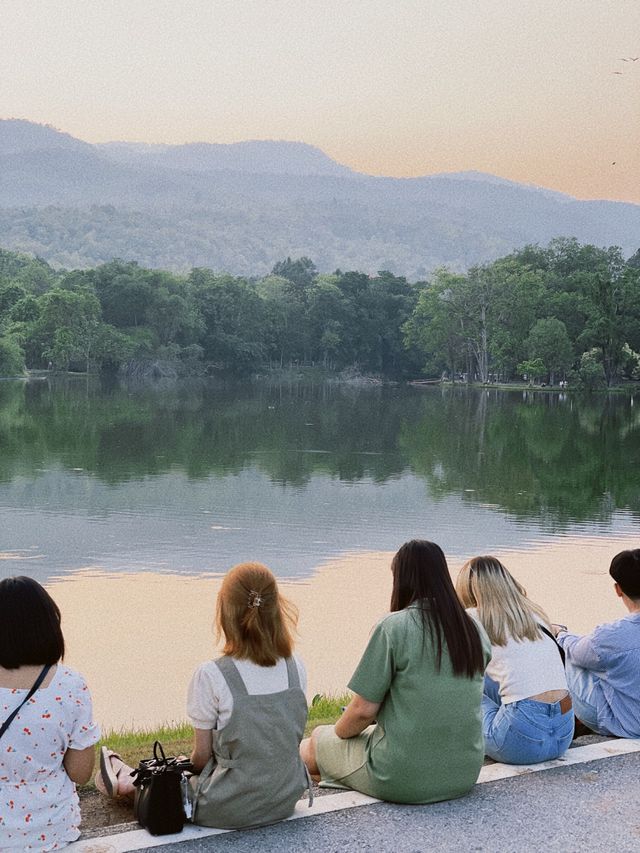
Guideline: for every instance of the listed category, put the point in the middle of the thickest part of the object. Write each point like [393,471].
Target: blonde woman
[526,707]
[248,709]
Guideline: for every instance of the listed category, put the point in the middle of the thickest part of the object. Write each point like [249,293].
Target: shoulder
[629,624]
[398,628]
[302,669]
[70,679]
[397,621]
[208,672]
[487,648]
[207,683]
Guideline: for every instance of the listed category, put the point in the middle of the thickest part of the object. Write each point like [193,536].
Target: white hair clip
[255,599]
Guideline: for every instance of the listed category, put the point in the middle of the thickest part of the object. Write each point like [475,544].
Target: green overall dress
[256,775]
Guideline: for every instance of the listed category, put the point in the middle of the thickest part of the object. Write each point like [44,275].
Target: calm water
[192,479]
[102,486]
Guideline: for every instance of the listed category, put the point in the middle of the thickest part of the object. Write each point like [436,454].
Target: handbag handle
[36,684]
[157,747]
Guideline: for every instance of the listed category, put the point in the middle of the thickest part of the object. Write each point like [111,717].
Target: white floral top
[39,807]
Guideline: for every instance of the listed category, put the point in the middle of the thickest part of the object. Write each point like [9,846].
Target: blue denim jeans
[524,732]
[584,687]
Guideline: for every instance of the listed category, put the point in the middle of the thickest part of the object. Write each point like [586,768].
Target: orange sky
[525,90]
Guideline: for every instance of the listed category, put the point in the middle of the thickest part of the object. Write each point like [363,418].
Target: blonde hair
[503,607]
[256,621]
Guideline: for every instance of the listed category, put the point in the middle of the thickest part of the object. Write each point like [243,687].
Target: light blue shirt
[612,653]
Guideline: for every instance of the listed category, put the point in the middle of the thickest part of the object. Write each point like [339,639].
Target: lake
[129,503]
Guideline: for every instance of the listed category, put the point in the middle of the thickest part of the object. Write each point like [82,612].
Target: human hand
[555,629]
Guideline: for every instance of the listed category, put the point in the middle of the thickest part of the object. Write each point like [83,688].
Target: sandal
[106,780]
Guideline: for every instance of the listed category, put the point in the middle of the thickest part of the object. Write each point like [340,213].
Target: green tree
[11,357]
[437,324]
[233,320]
[532,369]
[549,341]
[300,274]
[591,374]
[285,317]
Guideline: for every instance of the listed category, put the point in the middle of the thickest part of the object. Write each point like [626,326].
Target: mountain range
[244,206]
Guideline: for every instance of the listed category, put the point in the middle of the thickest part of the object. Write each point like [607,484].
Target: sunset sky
[533,91]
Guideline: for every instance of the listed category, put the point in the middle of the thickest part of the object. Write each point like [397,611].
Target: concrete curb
[140,839]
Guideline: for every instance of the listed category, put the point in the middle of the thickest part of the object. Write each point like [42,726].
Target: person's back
[429,718]
[412,730]
[248,711]
[603,668]
[612,653]
[255,775]
[46,724]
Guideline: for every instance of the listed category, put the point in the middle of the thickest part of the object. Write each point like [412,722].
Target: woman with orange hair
[248,709]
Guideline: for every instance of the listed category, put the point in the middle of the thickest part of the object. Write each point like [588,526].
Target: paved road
[587,807]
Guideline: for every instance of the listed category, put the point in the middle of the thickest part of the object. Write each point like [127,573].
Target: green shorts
[344,761]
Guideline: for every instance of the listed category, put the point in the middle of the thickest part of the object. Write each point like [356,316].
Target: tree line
[548,313]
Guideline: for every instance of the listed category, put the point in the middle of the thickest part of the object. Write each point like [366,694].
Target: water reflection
[191,478]
[548,457]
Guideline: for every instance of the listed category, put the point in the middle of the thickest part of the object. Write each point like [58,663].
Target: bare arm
[202,749]
[359,714]
[78,764]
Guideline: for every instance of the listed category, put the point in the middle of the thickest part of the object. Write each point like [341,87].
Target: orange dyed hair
[262,633]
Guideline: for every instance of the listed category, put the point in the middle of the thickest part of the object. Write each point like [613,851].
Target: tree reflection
[552,458]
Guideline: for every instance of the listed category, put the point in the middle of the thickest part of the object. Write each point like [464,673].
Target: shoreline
[321,375]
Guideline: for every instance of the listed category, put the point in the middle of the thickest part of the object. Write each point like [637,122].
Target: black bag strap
[558,646]
[36,685]
[157,748]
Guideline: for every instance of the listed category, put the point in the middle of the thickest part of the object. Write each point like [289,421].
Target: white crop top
[525,668]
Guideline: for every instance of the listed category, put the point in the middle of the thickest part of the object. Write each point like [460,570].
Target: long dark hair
[421,577]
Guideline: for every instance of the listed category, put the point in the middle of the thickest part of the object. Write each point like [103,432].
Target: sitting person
[412,732]
[248,709]
[526,708]
[603,668]
[48,745]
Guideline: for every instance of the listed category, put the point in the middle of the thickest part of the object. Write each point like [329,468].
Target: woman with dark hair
[47,733]
[412,732]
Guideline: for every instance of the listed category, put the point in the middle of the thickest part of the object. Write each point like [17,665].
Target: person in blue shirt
[603,668]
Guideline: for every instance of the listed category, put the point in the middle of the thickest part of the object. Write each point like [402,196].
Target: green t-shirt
[427,744]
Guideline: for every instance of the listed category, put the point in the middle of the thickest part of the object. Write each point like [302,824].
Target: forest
[567,311]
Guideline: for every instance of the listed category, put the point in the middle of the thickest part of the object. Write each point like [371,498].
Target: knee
[308,754]
[307,751]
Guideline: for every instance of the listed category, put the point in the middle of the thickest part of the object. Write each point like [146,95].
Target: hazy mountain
[18,136]
[255,157]
[242,207]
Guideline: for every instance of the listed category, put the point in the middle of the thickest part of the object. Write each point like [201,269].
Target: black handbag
[159,805]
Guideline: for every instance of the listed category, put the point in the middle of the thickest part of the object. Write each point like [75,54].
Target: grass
[134,745]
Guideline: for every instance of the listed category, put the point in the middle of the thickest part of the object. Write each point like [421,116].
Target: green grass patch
[324,710]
